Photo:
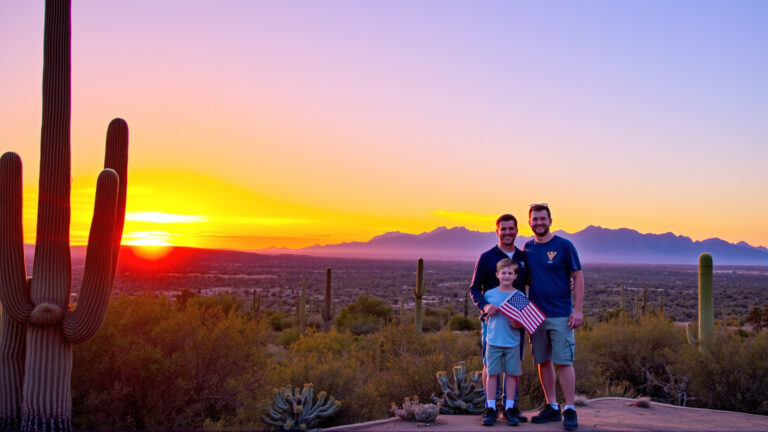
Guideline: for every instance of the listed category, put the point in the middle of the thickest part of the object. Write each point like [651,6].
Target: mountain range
[594,244]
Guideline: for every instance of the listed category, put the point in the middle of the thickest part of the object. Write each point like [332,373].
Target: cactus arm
[52,264]
[14,292]
[85,320]
[116,158]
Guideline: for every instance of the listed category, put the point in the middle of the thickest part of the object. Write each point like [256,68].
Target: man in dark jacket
[485,275]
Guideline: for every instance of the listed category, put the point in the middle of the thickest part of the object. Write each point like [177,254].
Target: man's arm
[578,299]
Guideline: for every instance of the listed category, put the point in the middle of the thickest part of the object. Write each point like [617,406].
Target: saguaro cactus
[327,303]
[706,311]
[621,298]
[418,294]
[301,307]
[37,321]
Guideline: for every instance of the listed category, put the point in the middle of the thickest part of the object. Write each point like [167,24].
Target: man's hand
[515,325]
[491,309]
[575,319]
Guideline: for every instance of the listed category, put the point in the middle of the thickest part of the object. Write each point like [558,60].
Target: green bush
[630,351]
[459,323]
[153,366]
[730,374]
[364,316]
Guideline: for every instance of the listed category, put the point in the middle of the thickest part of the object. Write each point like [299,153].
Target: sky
[289,123]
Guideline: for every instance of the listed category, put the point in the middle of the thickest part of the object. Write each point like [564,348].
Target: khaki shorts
[511,355]
[554,340]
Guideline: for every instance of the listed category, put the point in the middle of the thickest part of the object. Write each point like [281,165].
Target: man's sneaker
[546,415]
[489,417]
[569,419]
[521,418]
[513,416]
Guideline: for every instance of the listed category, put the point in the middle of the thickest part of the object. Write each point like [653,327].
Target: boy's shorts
[511,360]
[554,340]
[484,335]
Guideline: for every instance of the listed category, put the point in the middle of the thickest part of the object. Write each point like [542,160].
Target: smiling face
[506,276]
[507,232]
[540,222]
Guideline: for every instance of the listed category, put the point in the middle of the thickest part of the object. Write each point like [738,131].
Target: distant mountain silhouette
[595,244]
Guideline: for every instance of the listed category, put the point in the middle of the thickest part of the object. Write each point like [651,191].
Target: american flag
[518,308]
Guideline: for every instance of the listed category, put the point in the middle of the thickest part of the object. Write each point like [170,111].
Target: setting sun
[149,245]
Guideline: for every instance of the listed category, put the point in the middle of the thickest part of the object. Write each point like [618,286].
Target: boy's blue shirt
[499,332]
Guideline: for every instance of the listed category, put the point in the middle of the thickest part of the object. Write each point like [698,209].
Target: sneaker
[546,415]
[489,417]
[513,416]
[521,418]
[569,419]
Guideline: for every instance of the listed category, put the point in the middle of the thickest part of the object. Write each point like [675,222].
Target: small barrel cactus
[297,410]
[413,411]
[465,395]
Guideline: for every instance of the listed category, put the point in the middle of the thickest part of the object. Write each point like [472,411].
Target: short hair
[505,217]
[539,207]
[504,263]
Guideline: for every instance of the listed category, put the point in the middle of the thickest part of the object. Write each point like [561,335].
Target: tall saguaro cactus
[327,303]
[38,325]
[418,294]
[301,307]
[706,325]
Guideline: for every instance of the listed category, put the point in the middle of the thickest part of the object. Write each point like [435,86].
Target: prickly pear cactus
[465,395]
[38,326]
[293,410]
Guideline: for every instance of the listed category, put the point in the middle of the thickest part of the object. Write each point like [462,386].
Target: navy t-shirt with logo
[550,265]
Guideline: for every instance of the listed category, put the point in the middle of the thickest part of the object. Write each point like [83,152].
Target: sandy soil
[605,414]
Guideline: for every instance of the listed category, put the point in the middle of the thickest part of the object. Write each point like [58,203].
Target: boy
[503,340]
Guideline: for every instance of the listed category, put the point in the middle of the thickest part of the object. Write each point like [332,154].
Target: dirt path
[603,414]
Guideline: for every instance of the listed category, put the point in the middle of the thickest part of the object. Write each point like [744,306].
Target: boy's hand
[515,325]
[490,309]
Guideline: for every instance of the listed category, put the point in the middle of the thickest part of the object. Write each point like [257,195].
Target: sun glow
[149,245]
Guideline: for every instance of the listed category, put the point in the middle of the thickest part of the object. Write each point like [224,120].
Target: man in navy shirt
[485,278]
[554,264]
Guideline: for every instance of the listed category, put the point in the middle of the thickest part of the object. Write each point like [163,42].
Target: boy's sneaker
[569,419]
[546,415]
[513,416]
[489,417]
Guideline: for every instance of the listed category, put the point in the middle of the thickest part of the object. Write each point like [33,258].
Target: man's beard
[541,234]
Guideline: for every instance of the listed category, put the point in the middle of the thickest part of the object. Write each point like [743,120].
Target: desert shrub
[333,362]
[627,350]
[459,323]
[409,362]
[730,374]
[365,315]
[432,323]
[152,366]
[287,337]
[279,321]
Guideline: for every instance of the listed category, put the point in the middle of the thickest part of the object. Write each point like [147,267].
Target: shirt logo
[551,255]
